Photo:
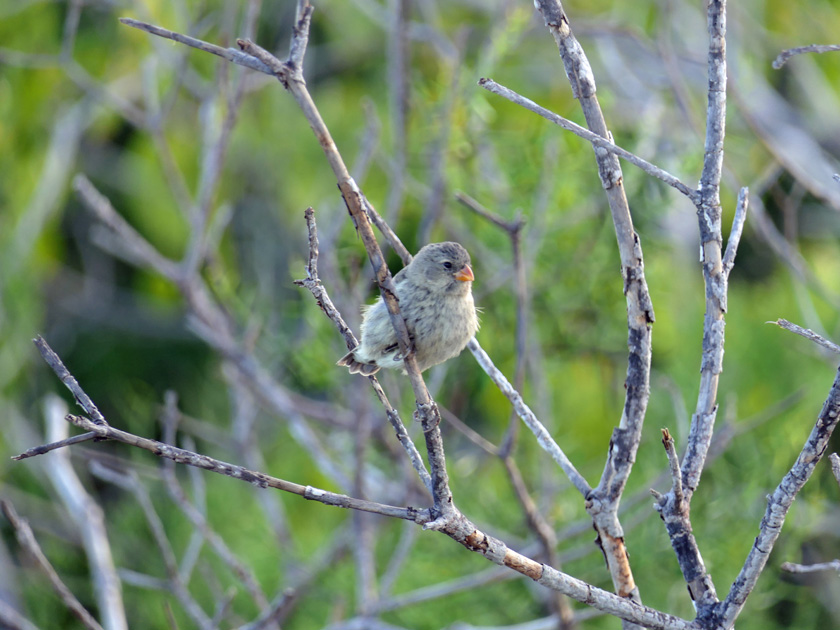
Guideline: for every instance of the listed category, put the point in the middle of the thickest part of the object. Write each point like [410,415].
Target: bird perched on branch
[435,296]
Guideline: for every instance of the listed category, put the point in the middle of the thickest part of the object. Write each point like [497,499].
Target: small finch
[435,296]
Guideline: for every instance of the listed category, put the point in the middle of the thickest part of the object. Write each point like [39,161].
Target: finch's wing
[394,346]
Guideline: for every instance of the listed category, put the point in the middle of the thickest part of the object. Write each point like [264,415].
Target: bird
[435,297]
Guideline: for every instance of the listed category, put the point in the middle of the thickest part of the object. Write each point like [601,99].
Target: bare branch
[737,229]
[12,619]
[674,509]
[27,540]
[175,584]
[472,204]
[300,35]
[388,233]
[834,459]
[88,519]
[53,360]
[313,283]
[455,525]
[711,256]
[544,438]
[231,54]
[595,139]
[674,465]
[715,275]
[808,334]
[792,567]
[132,245]
[778,505]
[261,480]
[291,76]
[792,52]
[46,448]
[709,202]
[182,456]
[602,503]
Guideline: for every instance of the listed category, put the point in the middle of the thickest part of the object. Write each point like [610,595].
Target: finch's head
[444,266]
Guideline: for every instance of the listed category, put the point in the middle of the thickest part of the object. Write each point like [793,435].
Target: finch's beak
[465,275]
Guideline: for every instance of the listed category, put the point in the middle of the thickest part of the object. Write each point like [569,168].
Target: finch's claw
[411,350]
[429,423]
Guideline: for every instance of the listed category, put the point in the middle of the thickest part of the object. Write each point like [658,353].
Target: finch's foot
[428,416]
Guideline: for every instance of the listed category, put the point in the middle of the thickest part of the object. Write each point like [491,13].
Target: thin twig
[808,334]
[778,505]
[88,518]
[11,619]
[231,54]
[313,283]
[737,229]
[133,246]
[53,360]
[513,229]
[472,204]
[468,432]
[46,448]
[598,141]
[791,52]
[27,540]
[261,480]
[834,459]
[544,438]
[389,234]
[130,482]
[673,465]
[675,512]
[189,458]
[792,567]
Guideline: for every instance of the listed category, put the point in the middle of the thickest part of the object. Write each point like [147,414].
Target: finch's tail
[357,367]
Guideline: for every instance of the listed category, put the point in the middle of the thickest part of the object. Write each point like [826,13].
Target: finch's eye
[447,264]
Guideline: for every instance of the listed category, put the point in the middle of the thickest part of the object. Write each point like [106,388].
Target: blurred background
[212,166]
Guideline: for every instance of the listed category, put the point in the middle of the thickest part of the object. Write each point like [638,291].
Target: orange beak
[465,275]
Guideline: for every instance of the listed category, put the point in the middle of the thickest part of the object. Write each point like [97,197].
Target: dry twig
[792,52]
[27,540]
